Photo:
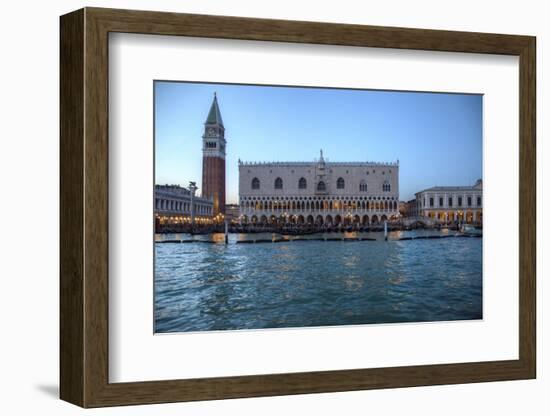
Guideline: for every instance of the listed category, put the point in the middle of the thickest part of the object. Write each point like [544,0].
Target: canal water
[202,286]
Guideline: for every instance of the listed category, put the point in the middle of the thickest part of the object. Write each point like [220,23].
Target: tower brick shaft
[213,182]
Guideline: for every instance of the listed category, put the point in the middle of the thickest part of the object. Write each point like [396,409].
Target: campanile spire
[214,115]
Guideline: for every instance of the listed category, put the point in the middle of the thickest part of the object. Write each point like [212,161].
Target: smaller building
[451,204]
[232,212]
[408,209]
[175,205]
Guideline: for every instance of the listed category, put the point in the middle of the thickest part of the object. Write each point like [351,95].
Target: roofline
[450,188]
[369,163]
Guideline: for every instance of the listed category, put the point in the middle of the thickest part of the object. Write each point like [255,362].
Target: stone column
[192,189]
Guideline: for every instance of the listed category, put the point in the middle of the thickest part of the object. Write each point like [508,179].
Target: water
[204,287]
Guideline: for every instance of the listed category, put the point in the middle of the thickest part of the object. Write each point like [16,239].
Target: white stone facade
[449,204]
[175,204]
[318,192]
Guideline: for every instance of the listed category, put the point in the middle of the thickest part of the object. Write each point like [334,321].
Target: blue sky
[436,137]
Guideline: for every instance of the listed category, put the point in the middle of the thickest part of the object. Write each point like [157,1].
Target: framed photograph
[257,207]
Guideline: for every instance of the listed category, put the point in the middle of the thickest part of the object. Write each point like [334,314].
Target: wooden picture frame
[84,207]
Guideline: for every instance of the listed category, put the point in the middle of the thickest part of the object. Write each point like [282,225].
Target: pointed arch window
[321,187]
[255,183]
[363,186]
[302,183]
[386,187]
[340,184]
[278,183]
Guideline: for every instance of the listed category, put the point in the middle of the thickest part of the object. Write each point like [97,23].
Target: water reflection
[295,283]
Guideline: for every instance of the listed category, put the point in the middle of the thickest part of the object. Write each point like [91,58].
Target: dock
[325,239]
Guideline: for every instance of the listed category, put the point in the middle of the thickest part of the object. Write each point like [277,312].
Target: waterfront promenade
[304,229]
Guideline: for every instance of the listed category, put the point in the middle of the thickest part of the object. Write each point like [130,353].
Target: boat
[471,230]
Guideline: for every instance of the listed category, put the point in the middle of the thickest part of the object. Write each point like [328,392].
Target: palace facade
[175,204]
[319,192]
[449,204]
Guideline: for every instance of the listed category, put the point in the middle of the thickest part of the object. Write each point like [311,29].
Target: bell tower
[213,158]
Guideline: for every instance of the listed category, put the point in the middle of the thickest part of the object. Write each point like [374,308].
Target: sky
[436,137]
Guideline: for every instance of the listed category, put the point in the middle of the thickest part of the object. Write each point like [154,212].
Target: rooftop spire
[214,115]
[321,158]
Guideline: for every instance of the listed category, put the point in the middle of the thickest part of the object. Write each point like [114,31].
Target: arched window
[386,187]
[321,187]
[340,184]
[363,186]
[302,183]
[255,183]
[278,183]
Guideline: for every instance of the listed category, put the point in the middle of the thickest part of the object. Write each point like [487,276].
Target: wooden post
[226,232]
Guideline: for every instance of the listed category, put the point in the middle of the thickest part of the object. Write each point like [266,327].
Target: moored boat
[471,230]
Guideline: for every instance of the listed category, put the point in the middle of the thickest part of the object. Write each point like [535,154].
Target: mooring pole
[226,232]
[386,230]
